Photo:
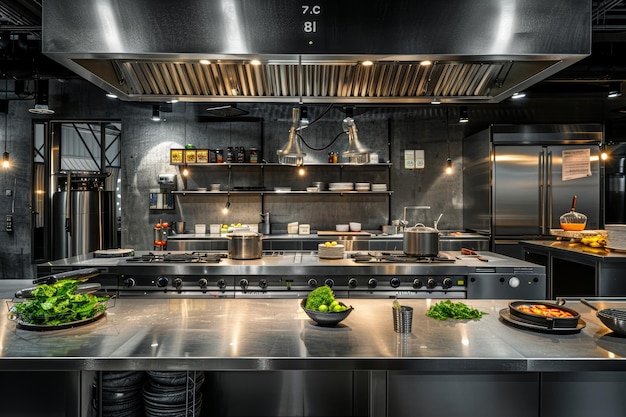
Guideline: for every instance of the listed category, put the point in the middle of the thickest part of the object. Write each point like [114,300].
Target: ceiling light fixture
[291,153]
[41,99]
[426,63]
[463,114]
[111,95]
[156,113]
[226,208]
[356,153]
[367,63]
[435,101]
[518,95]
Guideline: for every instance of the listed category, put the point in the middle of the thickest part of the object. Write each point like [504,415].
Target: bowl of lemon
[330,250]
[322,307]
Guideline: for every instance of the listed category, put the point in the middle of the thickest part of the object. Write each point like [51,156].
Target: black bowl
[327,318]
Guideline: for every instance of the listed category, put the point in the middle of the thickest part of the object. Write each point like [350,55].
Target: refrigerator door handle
[542,193]
[549,193]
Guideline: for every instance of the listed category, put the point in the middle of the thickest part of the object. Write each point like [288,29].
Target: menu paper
[576,164]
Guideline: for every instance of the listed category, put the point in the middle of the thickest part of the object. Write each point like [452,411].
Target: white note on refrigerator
[576,164]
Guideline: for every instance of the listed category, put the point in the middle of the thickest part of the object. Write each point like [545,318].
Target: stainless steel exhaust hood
[481,51]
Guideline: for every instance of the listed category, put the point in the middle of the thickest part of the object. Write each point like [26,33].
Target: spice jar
[219,156]
[241,154]
[254,155]
[229,154]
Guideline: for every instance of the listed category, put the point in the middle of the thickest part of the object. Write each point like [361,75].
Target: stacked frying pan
[122,394]
[613,318]
[173,394]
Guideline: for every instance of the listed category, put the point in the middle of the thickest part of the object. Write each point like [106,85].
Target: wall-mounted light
[6,163]
[156,113]
[185,171]
[463,114]
[615,90]
[291,153]
[604,155]
[301,171]
[449,166]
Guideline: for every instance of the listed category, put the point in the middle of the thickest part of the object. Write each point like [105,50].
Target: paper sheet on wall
[576,164]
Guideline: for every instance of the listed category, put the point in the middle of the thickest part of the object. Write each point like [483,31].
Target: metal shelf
[259,192]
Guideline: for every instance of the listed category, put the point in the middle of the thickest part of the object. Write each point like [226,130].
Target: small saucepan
[613,318]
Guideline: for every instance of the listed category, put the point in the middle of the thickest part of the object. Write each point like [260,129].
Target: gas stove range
[293,274]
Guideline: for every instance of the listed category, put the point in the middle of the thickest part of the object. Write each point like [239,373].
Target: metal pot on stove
[421,241]
[245,245]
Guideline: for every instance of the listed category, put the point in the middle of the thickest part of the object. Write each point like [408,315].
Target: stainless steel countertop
[601,254]
[275,334]
[445,235]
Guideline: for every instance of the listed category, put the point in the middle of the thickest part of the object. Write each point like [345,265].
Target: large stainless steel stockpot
[245,245]
[421,241]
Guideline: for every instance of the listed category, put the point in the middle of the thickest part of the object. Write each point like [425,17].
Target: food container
[573,221]
[292,228]
[245,245]
[342,227]
[548,315]
[421,241]
[389,230]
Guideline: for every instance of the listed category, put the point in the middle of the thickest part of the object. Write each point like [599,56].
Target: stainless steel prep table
[276,340]
[260,334]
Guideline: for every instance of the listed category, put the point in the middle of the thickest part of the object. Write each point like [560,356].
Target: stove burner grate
[194,257]
[389,257]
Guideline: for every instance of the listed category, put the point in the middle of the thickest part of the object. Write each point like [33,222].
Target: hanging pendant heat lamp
[356,153]
[291,153]
[41,99]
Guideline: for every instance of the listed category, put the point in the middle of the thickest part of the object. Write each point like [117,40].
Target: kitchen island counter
[258,334]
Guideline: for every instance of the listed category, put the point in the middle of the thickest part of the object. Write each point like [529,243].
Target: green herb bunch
[447,309]
[320,296]
[57,303]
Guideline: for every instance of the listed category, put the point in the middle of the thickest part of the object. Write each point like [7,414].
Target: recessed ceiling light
[426,63]
[367,63]
[205,61]
[111,95]
[255,62]
[515,96]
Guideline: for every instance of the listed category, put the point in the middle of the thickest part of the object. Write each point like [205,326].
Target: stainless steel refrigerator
[519,179]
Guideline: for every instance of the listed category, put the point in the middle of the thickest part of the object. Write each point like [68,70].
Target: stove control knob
[263,284]
[394,282]
[162,281]
[431,283]
[312,282]
[372,283]
[243,283]
[417,283]
[330,282]
[202,282]
[129,282]
[221,283]
[514,282]
[178,283]
[447,283]
[352,283]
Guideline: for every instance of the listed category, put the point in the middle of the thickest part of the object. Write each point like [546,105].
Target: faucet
[437,221]
[404,223]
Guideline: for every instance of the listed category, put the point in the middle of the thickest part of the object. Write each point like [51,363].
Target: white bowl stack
[616,236]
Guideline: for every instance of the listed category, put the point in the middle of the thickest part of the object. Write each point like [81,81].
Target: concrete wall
[146,144]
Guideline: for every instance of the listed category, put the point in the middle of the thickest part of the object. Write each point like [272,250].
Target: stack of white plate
[616,236]
[341,186]
[362,186]
[379,187]
[330,252]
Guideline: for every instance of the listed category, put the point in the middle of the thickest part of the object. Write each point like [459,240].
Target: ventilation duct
[281,51]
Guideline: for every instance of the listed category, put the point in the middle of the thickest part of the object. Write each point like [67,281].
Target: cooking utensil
[573,220]
[547,321]
[421,241]
[613,318]
[473,253]
[79,275]
[245,245]
[81,289]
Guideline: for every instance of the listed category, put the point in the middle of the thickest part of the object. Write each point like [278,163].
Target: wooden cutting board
[336,233]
